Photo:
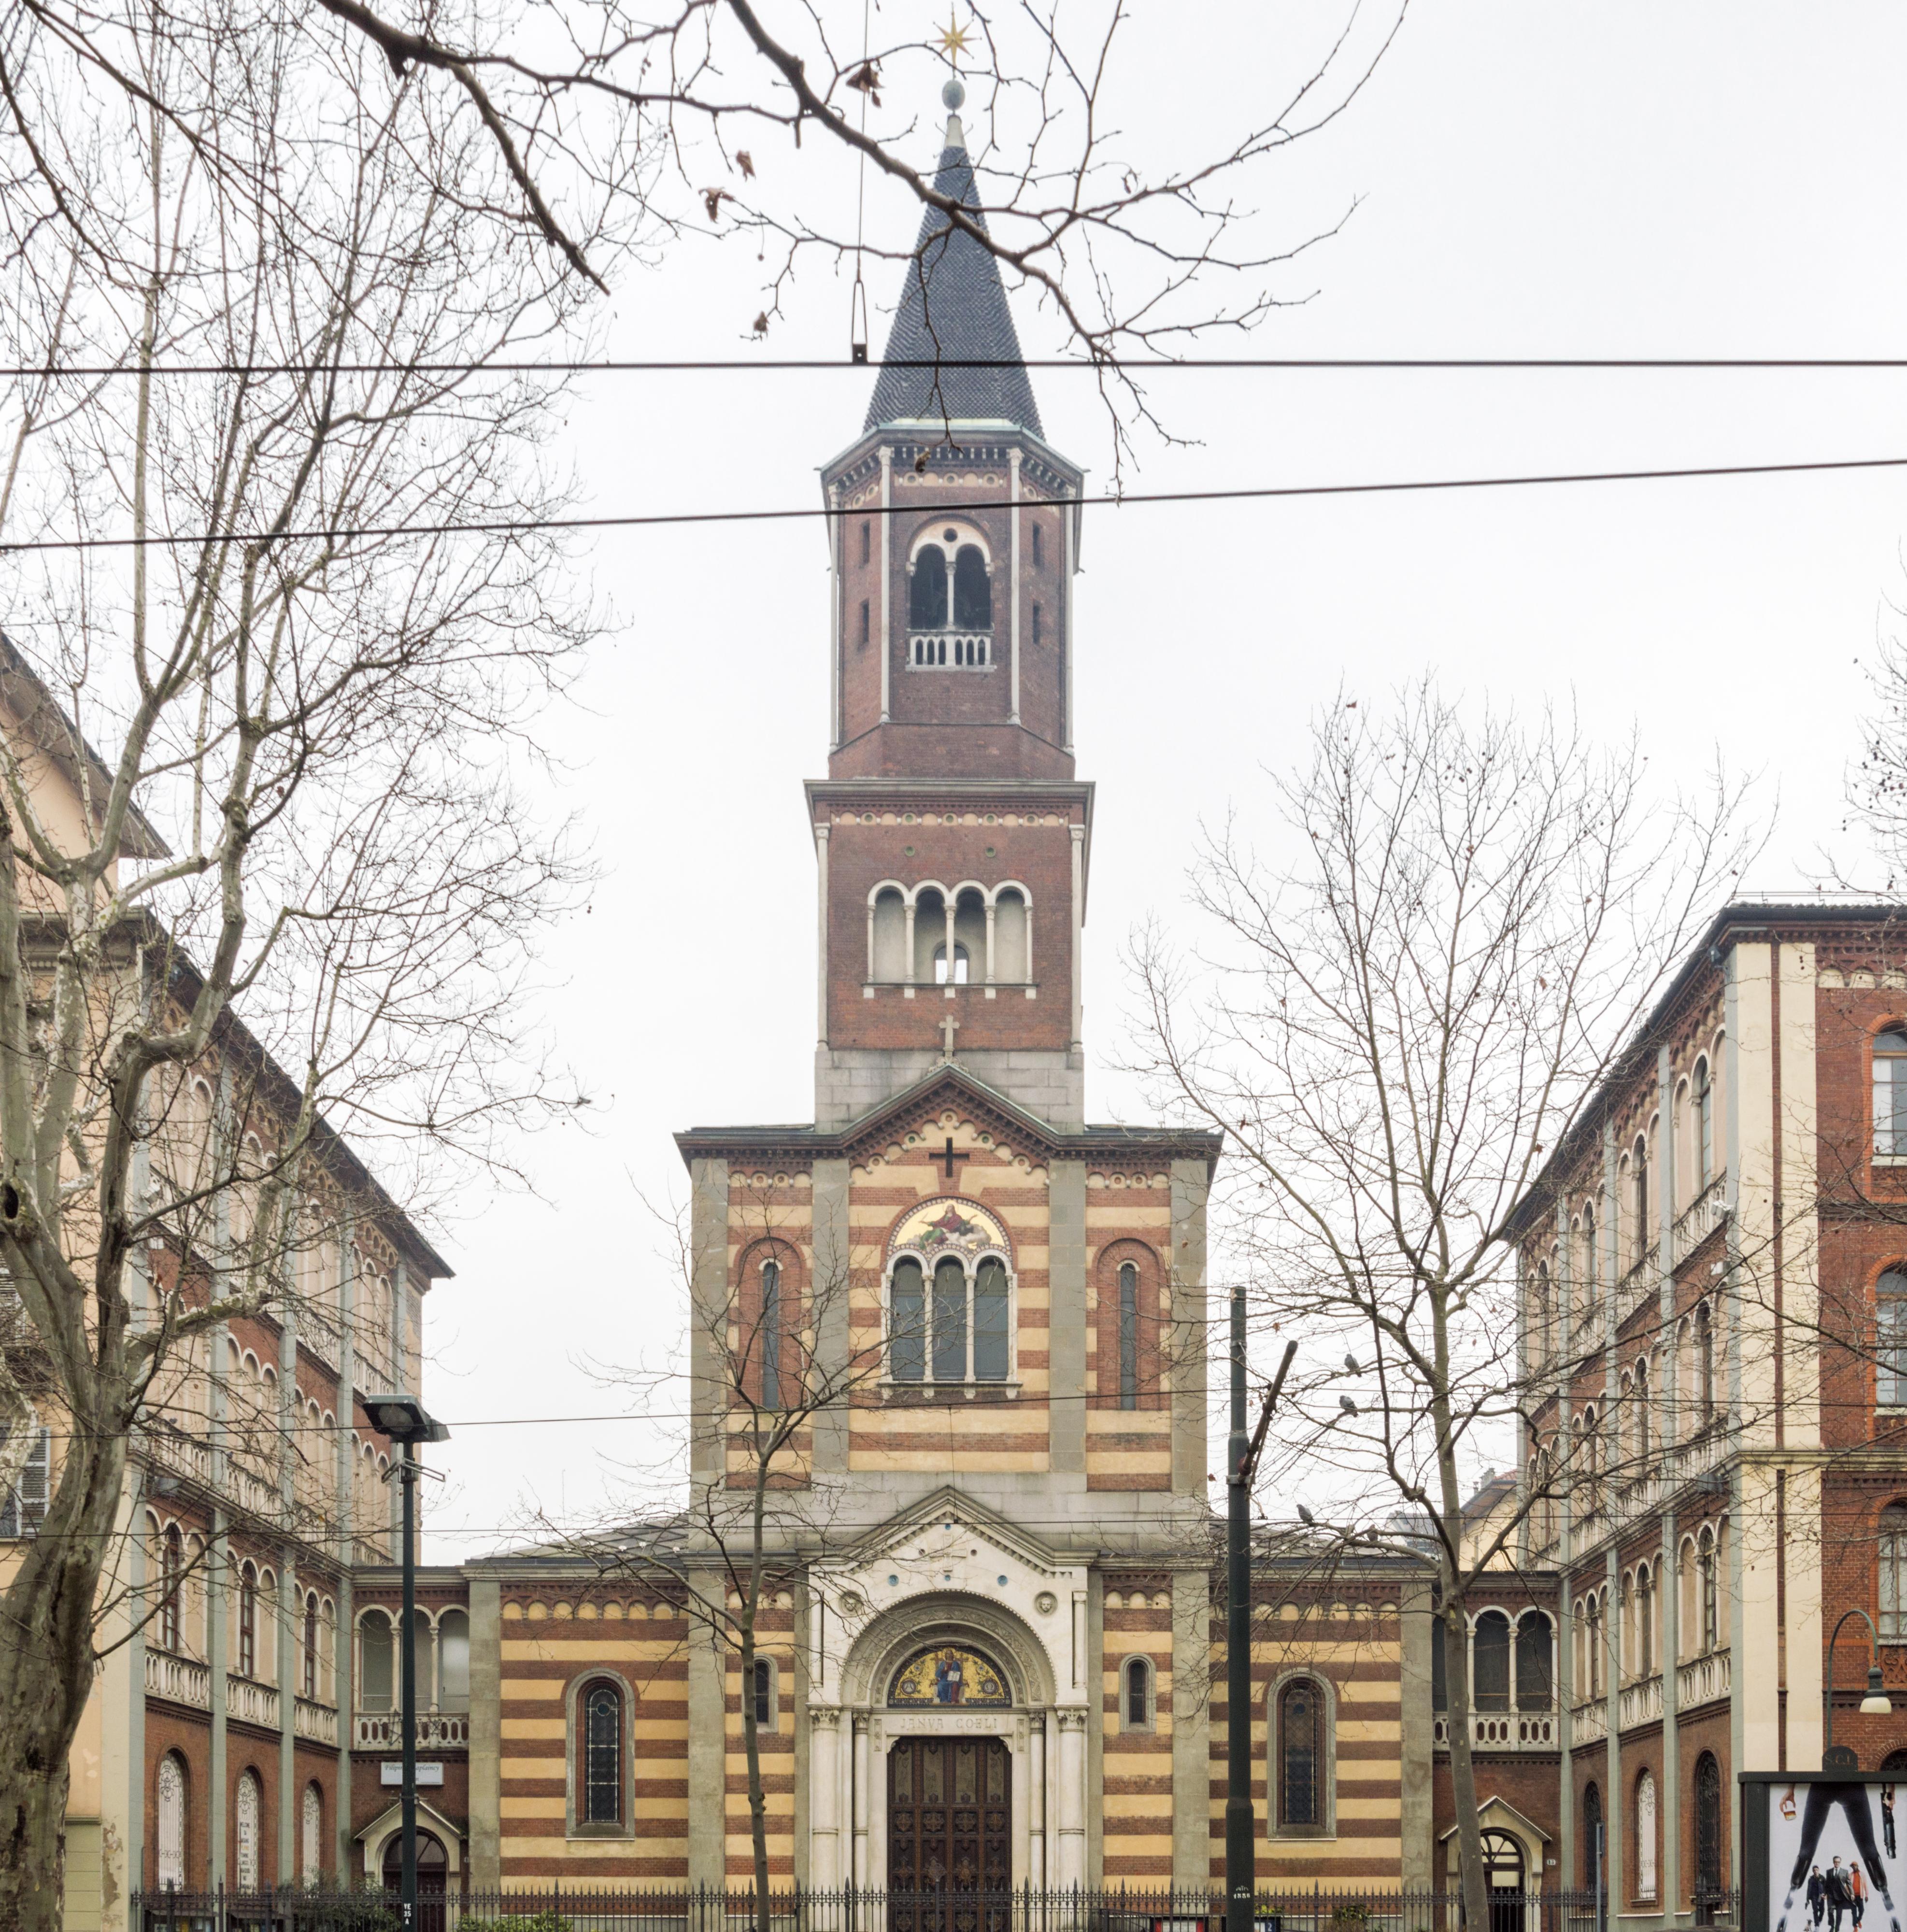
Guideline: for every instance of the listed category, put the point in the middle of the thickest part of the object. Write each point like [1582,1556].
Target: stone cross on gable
[949,1027]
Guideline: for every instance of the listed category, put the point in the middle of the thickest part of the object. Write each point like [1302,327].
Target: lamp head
[1876,1704]
[403,1419]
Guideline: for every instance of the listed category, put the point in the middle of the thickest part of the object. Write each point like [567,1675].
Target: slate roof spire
[953,308]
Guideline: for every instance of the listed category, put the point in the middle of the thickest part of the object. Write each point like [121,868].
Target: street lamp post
[1876,1704]
[402,1418]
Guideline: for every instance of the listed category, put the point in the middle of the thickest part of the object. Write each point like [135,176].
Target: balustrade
[1701,1218]
[181,1680]
[1639,1702]
[1589,1722]
[316,1722]
[251,1703]
[1703,1680]
[1641,1285]
[1502,1730]
[436,1730]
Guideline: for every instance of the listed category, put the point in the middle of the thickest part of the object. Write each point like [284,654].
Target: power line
[824,364]
[515,526]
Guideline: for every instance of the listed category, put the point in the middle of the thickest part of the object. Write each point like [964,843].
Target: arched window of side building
[1300,1746]
[169,1802]
[601,1780]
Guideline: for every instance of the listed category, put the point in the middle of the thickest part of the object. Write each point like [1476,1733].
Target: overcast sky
[1555,179]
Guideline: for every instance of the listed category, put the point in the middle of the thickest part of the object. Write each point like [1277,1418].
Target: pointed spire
[953,309]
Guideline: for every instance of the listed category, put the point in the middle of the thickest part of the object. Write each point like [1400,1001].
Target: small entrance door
[1503,1874]
[949,1826]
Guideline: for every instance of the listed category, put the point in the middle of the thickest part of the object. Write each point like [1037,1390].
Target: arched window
[1708,1830]
[1535,1677]
[601,1781]
[1641,1421]
[172,1590]
[1592,1835]
[1891,1330]
[247,1621]
[767,1703]
[1704,1367]
[770,1327]
[374,1661]
[961,1331]
[1129,1335]
[1593,1642]
[171,1808]
[1708,1587]
[906,1333]
[1645,1836]
[927,594]
[1490,1662]
[308,1671]
[1011,928]
[1301,1755]
[1136,1705]
[1644,1621]
[311,1828]
[1639,1245]
[1539,1317]
[887,937]
[1503,1873]
[454,1661]
[972,590]
[245,1811]
[1891,1094]
[1893,1543]
[963,966]
[1705,1126]
[1587,1274]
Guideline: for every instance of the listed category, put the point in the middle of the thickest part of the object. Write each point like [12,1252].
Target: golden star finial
[953,41]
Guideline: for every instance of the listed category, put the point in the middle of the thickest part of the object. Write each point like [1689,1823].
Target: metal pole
[407,1667]
[1241,1821]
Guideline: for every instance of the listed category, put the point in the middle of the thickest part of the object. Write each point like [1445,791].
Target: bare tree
[234,613]
[771,1361]
[1405,1006]
[608,120]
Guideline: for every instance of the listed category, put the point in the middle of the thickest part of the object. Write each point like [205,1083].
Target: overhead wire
[525,525]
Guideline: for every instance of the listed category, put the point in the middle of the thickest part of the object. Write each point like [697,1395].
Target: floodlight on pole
[406,1421]
[1876,1704]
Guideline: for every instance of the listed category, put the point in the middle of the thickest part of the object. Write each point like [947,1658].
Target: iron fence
[566,1908]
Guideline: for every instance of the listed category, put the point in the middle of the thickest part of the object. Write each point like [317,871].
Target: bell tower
[951,835]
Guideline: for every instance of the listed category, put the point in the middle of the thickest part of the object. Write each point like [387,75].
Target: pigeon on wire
[1345,1403]
[1305,1516]
[1350,1367]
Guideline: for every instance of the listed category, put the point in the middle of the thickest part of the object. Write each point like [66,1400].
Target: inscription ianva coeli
[938,1724]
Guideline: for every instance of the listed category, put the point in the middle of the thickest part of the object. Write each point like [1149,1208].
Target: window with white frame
[950,1298]
[1891,1094]
[1893,1592]
[1135,1692]
[1890,1339]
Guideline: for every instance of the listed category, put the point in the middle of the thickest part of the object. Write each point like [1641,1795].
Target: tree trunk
[46,1676]
[1451,1622]
[751,1751]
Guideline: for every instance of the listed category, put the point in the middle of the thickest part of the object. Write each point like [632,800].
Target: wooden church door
[949,1821]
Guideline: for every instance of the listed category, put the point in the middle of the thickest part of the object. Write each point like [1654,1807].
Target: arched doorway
[1707,1838]
[432,1870]
[1593,1847]
[1503,1876]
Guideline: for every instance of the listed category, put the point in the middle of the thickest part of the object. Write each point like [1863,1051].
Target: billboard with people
[1821,1852]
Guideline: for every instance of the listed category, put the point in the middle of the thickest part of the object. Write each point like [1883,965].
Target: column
[947,907]
[486,1733]
[837,611]
[1066,1334]
[821,977]
[1013,595]
[991,909]
[1078,927]
[1191,1733]
[1069,1861]
[828,1294]
[347,1636]
[1417,1759]
[290,1624]
[887,586]
[1070,537]
[708,1747]
[824,1796]
[908,916]
[1614,1800]
[1036,1874]
[1668,1639]
[860,1800]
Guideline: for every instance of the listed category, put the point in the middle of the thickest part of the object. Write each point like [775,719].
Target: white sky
[1558,179]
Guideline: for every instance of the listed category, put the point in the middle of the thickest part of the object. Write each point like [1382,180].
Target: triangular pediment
[1495,1813]
[951,1085]
[950,1509]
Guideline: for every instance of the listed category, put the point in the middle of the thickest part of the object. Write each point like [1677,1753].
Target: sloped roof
[953,310]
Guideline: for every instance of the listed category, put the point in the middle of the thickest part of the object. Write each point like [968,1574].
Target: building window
[1038,548]
[963,966]
[374,1662]
[771,1334]
[25,1508]
[311,1865]
[248,1621]
[1708,1830]
[1136,1701]
[972,590]
[1640,1245]
[866,543]
[1645,1836]
[1534,1670]
[602,1755]
[1539,1317]
[1708,1590]
[172,1588]
[1586,1272]
[765,1694]
[1644,1621]
[962,1330]
[1592,1835]
[1704,1367]
[308,1680]
[927,593]
[1129,1335]
[1490,1662]
[245,1818]
[1593,1635]
[454,1661]
[867,625]
[1704,1126]
[1891,1094]
[171,1807]
[1891,1339]
[1039,625]
[1893,1570]
[1300,1732]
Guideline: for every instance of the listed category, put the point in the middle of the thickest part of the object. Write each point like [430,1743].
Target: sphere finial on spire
[953,96]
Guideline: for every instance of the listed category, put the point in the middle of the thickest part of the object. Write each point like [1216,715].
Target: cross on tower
[951,1154]
[949,1027]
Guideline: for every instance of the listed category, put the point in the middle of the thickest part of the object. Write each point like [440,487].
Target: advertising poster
[1829,1858]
